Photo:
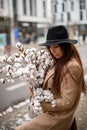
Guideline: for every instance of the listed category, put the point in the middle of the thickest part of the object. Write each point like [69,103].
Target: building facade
[73,14]
[36,16]
[27,16]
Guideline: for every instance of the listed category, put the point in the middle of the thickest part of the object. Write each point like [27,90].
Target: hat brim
[55,42]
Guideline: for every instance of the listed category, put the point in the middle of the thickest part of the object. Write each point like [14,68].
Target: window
[44,8]
[72,5]
[68,16]
[81,15]
[82,4]
[62,17]
[33,7]
[15,8]
[63,7]
[54,6]
[31,11]
[24,7]
[1,4]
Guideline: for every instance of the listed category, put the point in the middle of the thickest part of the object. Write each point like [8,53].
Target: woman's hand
[43,105]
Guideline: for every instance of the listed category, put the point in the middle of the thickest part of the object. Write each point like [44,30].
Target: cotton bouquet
[30,65]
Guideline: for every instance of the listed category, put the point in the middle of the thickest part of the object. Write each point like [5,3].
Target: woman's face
[56,51]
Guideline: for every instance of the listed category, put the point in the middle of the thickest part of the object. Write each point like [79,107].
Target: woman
[65,80]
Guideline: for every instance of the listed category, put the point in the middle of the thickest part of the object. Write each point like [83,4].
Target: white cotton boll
[4,58]
[22,56]
[42,57]
[34,62]
[25,70]
[44,67]
[38,53]
[30,66]
[31,76]
[42,51]
[41,75]
[42,71]
[28,55]
[37,104]
[2,80]
[42,60]
[40,81]
[40,109]
[15,75]
[33,56]
[17,65]
[8,80]
[41,98]
[36,97]
[47,61]
[21,48]
[10,109]
[53,102]
[18,60]
[16,55]
[8,67]
[35,109]
[33,49]
[8,74]
[10,59]
[3,69]
[26,59]
[45,97]
[21,69]
[38,91]
[31,53]
[18,44]
[27,51]
[18,72]
[45,92]
[10,70]
[39,68]
[32,71]
[53,105]
[39,58]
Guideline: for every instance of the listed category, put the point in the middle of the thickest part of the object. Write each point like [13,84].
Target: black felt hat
[57,35]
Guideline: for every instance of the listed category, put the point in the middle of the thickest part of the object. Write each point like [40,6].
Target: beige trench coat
[61,116]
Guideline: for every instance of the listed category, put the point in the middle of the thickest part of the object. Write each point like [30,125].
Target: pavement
[19,113]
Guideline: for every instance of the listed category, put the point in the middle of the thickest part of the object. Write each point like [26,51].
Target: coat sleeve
[69,89]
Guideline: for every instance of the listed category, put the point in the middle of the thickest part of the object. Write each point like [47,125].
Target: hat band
[56,40]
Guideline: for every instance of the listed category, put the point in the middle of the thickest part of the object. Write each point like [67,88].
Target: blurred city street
[14,98]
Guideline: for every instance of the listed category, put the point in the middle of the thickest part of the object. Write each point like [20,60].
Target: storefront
[28,31]
[4,31]
[83,31]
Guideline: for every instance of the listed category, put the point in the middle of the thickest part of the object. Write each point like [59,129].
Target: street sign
[3,40]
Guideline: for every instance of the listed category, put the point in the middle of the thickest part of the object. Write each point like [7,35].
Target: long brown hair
[69,51]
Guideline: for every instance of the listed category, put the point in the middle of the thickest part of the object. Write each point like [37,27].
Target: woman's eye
[56,46]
